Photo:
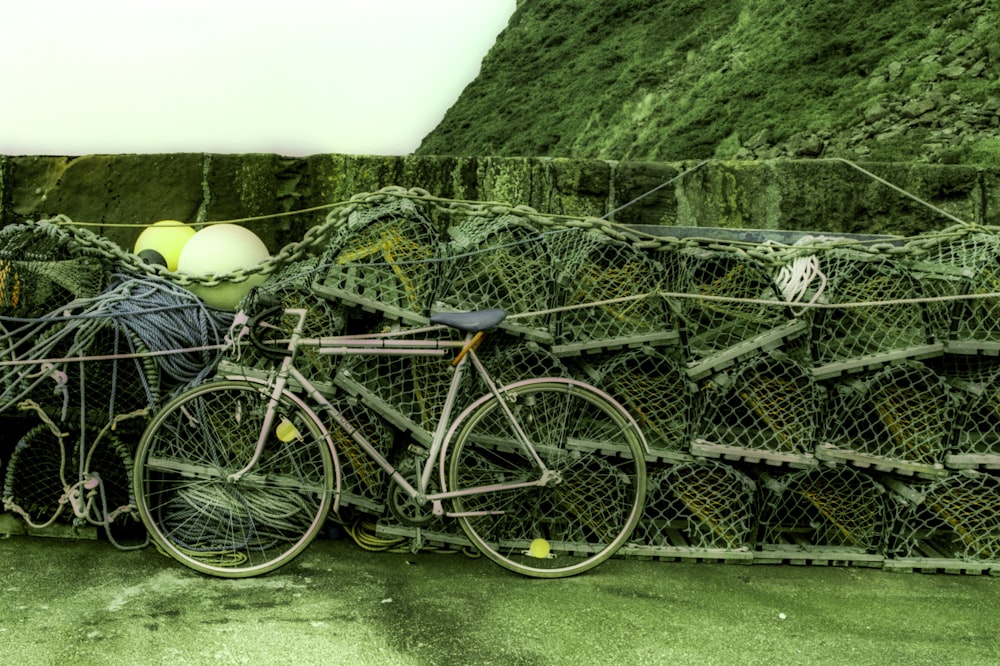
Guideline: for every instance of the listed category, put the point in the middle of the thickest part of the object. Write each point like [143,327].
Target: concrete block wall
[807,195]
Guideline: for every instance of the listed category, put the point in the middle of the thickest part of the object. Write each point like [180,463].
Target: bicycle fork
[277,389]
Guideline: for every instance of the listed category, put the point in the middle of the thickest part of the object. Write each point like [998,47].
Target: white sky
[295,77]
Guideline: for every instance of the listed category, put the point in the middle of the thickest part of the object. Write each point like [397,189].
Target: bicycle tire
[579,432]
[246,527]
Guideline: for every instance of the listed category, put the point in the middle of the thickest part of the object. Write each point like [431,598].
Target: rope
[364,535]
[186,337]
[659,187]
[885,182]
[167,317]
[316,238]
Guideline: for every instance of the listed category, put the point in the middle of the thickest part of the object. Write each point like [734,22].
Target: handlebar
[272,307]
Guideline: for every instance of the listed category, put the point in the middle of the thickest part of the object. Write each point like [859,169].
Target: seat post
[472,343]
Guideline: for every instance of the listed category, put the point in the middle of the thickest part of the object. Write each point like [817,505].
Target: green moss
[985,152]
[659,80]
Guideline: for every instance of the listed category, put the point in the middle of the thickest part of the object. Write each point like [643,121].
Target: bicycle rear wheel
[242,528]
[577,521]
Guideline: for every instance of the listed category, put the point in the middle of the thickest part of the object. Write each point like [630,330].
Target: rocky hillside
[669,80]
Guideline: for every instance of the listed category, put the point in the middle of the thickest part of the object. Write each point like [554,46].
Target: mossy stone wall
[805,195]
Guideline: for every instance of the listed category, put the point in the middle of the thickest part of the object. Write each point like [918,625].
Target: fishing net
[766,403]
[968,266]
[500,262]
[291,288]
[609,293]
[735,309]
[651,384]
[957,517]
[824,506]
[976,385]
[363,481]
[705,505]
[97,368]
[409,391]
[384,259]
[61,476]
[898,419]
[509,359]
[883,318]
[42,268]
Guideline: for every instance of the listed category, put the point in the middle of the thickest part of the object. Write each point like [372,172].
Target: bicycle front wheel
[233,529]
[590,506]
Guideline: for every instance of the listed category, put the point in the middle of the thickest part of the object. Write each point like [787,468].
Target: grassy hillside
[668,80]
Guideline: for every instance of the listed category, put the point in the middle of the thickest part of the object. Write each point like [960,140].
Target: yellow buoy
[286,431]
[539,548]
[166,239]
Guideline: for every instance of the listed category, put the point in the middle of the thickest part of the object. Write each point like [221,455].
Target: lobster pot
[976,442]
[500,262]
[651,384]
[969,374]
[119,382]
[42,268]
[385,258]
[609,292]
[853,336]
[824,506]
[900,417]
[968,266]
[44,464]
[767,402]
[956,517]
[409,391]
[363,481]
[743,310]
[700,505]
[509,359]
[291,287]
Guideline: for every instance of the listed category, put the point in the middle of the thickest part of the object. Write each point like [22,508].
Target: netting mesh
[767,402]
[968,266]
[509,359]
[384,259]
[291,288]
[734,313]
[363,482]
[90,469]
[41,269]
[651,384]
[409,391]
[957,517]
[895,325]
[976,384]
[700,505]
[825,507]
[617,287]
[500,262]
[102,388]
[900,417]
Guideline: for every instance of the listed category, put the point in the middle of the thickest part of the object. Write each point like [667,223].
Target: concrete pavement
[83,602]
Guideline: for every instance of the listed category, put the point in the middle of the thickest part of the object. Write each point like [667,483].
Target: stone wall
[808,195]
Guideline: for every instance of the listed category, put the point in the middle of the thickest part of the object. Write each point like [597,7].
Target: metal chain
[316,238]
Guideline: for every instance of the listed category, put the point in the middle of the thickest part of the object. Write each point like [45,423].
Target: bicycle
[236,476]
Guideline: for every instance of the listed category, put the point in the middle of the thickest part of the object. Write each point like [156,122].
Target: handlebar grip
[254,326]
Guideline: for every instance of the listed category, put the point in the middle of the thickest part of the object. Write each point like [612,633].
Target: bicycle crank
[402,506]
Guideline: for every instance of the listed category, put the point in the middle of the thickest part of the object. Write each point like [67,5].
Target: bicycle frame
[442,432]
